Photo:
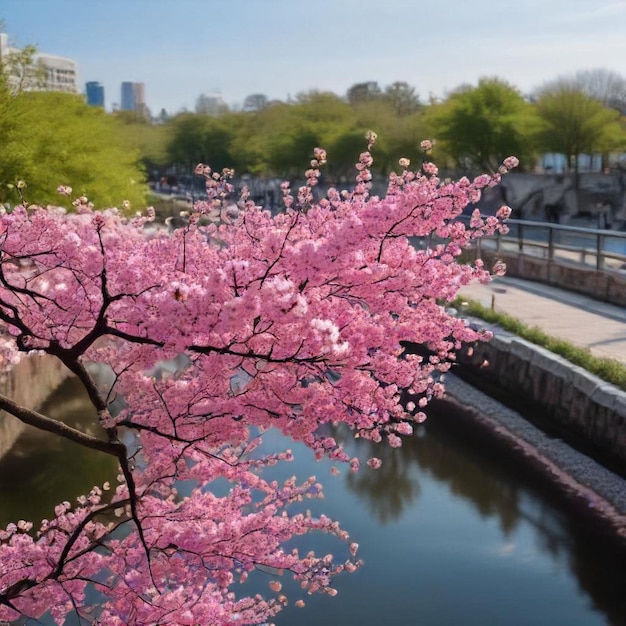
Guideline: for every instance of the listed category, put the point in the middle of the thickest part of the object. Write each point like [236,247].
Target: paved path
[582,321]
[576,318]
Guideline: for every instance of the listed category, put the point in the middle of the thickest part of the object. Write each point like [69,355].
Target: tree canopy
[196,138]
[55,138]
[295,322]
[475,126]
[52,138]
[574,123]
[478,126]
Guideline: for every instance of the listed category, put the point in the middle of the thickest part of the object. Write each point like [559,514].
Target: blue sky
[181,48]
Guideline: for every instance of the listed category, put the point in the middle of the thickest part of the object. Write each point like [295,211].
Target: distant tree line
[474,127]
[51,139]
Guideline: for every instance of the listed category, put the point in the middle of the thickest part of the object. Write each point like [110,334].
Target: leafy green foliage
[50,139]
[151,140]
[198,138]
[475,128]
[480,126]
[573,122]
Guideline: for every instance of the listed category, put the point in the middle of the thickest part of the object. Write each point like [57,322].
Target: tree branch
[33,418]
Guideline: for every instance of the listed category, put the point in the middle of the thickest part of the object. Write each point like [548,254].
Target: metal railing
[601,249]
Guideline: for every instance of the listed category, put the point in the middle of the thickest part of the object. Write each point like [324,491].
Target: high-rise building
[211,104]
[133,97]
[44,72]
[127,103]
[255,102]
[94,92]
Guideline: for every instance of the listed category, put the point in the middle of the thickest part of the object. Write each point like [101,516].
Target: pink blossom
[511,162]
[430,168]
[499,268]
[404,428]
[320,155]
[482,181]
[394,440]
[371,137]
[504,212]
[476,219]
[238,322]
[366,159]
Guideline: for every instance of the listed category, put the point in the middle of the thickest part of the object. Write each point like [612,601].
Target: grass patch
[610,370]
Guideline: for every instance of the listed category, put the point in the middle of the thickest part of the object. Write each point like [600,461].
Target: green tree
[402,97]
[197,138]
[51,138]
[247,151]
[363,92]
[480,126]
[574,123]
[344,152]
[398,136]
[279,140]
[150,139]
[326,112]
[605,86]
[21,71]
[287,139]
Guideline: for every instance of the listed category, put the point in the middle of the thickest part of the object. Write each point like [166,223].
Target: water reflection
[500,543]
[390,489]
[42,470]
[396,484]
[452,529]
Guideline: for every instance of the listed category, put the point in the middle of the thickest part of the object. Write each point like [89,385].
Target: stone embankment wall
[566,399]
[607,286]
[28,383]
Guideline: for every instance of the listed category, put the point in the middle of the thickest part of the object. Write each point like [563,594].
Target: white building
[44,72]
[211,104]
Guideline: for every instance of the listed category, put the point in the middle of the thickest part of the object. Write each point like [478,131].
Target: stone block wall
[28,383]
[565,398]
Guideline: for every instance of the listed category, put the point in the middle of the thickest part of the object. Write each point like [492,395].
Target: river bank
[595,491]
[29,383]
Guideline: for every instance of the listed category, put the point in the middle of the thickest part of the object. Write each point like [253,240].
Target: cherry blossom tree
[294,322]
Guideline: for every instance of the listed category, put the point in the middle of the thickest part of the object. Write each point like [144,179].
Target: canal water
[452,530]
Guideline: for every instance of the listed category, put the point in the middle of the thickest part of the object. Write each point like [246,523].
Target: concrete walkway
[582,321]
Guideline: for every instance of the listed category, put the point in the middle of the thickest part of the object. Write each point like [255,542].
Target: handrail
[604,249]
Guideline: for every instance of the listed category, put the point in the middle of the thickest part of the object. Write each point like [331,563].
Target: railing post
[550,243]
[577,249]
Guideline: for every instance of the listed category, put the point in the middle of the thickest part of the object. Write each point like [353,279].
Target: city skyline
[280,48]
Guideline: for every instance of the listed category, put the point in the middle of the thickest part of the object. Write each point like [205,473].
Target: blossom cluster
[216,332]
